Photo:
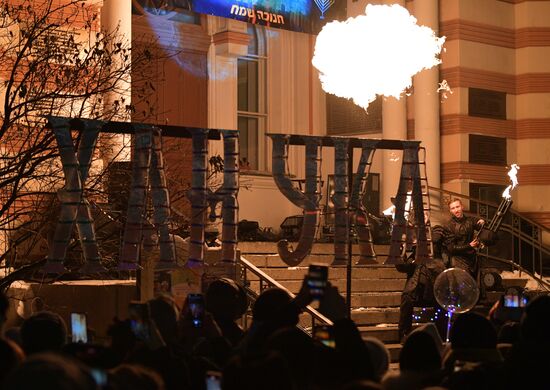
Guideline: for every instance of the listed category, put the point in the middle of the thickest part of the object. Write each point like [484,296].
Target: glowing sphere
[455,290]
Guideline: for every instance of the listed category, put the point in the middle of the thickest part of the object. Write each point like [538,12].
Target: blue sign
[306,16]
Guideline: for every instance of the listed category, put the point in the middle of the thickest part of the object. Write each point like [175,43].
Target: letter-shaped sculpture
[340,200]
[227,194]
[357,209]
[148,165]
[198,197]
[410,174]
[74,206]
[234,9]
[308,201]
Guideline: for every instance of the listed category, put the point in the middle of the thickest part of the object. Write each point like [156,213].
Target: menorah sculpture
[147,177]
[348,194]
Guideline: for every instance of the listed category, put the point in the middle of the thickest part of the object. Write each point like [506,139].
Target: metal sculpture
[227,195]
[74,207]
[308,200]
[147,172]
[348,203]
[358,211]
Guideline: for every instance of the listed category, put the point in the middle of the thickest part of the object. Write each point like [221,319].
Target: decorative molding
[464,124]
[461,170]
[532,36]
[532,128]
[476,78]
[461,77]
[231,37]
[477,32]
[494,35]
[464,171]
[538,174]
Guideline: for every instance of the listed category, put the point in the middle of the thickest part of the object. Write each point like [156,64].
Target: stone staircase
[376,289]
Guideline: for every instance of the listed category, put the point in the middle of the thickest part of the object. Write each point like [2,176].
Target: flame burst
[513,175]
[374,54]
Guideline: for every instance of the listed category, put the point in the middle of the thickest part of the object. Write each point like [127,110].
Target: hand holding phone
[138,313]
[213,380]
[317,280]
[79,328]
[325,335]
[195,304]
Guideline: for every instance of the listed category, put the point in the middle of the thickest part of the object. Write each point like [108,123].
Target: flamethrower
[505,204]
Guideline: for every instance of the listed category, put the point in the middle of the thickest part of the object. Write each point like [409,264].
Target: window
[486,104]
[487,150]
[345,117]
[251,101]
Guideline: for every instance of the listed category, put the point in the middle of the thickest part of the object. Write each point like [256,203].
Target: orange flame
[513,174]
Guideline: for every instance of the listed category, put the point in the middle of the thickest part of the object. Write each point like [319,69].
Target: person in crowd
[43,331]
[227,302]
[379,356]
[529,360]
[473,356]
[419,364]
[49,370]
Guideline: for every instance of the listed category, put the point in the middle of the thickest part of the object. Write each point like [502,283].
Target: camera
[317,280]
[196,309]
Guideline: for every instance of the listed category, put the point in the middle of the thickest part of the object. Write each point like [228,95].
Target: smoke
[374,54]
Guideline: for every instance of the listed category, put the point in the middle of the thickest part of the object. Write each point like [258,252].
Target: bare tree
[55,60]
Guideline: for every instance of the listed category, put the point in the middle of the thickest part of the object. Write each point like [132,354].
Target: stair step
[374,316]
[358,285]
[386,334]
[273,260]
[318,248]
[363,272]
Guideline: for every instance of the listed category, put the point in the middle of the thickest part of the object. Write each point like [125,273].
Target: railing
[527,250]
[542,283]
[265,282]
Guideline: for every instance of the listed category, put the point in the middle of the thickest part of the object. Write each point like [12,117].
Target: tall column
[394,126]
[117,14]
[426,98]
[229,42]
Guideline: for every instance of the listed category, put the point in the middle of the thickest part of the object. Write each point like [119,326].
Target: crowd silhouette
[273,353]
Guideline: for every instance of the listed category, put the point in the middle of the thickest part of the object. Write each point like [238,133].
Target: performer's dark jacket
[461,254]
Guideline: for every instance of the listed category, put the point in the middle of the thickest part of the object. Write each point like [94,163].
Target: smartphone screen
[515,301]
[511,301]
[213,380]
[196,309]
[325,335]
[79,328]
[317,280]
[138,313]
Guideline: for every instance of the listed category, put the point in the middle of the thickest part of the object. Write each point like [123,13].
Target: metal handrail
[265,278]
[533,242]
[511,263]
[483,202]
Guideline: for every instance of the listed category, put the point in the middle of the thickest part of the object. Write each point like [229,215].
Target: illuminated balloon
[455,290]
